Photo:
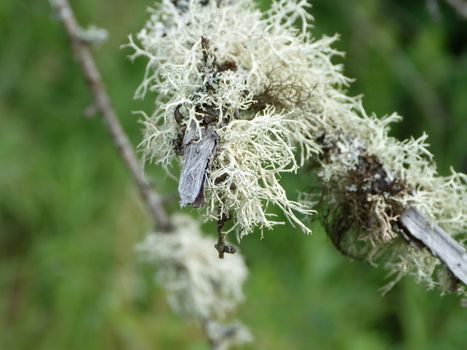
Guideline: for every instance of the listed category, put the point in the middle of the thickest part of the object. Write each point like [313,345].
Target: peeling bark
[442,245]
[197,155]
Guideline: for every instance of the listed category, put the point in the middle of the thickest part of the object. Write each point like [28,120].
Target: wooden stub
[197,155]
[442,245]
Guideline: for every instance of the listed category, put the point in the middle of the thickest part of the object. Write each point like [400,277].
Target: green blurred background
[70,216]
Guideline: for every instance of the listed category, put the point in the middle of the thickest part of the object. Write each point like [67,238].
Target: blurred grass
[69,215]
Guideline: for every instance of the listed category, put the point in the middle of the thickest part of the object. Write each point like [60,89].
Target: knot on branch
[222,246]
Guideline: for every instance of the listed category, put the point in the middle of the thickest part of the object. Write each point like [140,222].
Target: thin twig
[222,246]
[433,9]
[104,106]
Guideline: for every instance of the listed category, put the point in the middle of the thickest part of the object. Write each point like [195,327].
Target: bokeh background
[70,216]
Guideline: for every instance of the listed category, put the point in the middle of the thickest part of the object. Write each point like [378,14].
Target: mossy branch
[276,101]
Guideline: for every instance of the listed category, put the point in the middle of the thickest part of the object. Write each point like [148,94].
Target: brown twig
[104,106]
[222,246]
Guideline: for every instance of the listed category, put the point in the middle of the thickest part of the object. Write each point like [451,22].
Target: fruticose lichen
[275,99]
[199,285]
[369,178]
[249,74]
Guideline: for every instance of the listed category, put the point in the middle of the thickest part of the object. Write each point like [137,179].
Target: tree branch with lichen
[225,293]
[280,103]
[104,106]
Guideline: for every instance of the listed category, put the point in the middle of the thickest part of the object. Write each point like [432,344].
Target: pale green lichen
[243,178]
[257,73]
[198,284]
[412,181]
[277,93]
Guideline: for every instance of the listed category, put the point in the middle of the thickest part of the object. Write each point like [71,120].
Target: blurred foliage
[69,216]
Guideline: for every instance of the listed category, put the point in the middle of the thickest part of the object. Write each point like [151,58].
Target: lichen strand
[198,284]
[244,175]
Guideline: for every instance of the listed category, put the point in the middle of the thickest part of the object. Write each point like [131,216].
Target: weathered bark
[442,245]
[197,155]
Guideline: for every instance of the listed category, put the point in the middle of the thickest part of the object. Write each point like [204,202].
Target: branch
[447,249]
[151,198]
[460,6]
[222,246]
[104,106]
